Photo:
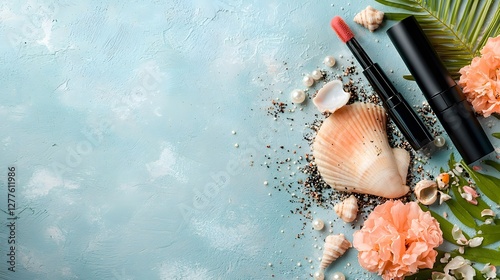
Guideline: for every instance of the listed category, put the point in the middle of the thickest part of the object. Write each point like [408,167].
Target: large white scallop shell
[335,246]
[370,18]
[352,153]
[347,210]
[331,97]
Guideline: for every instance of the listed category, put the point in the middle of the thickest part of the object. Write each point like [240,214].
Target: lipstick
[443,94]
[396,106]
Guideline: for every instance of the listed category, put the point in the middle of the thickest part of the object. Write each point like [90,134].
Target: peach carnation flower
[398,239]
[481,79]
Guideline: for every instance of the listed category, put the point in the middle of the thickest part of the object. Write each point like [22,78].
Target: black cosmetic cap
[420,57]
[443,94]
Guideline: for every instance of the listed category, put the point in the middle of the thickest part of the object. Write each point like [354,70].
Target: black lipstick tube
[443,94]
[410,125]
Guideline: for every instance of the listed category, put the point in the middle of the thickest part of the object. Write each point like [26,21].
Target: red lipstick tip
[342,29]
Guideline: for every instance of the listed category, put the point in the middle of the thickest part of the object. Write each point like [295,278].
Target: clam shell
[335,246]
[369,18]
[347,209]
[426,192]
[352,153]
[331,97]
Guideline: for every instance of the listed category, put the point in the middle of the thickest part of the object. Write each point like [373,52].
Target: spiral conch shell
[369,18]
[347,209]
[335,247]
[352,153]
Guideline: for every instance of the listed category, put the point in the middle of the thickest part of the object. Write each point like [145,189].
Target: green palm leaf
[457,29]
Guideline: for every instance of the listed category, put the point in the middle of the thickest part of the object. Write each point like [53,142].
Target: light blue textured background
[118,118]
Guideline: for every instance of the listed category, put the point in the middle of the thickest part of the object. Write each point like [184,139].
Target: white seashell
[369,18]
[335,246]
[352,153]
[347,209]
[331,97]
[487,212]
[426,192]
[443,197]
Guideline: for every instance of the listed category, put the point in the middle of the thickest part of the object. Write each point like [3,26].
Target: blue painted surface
[118,119]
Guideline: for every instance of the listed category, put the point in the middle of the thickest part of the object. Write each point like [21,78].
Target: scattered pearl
[269,194]
[318,224]
[317,74]
[236,145]
[299,264]
[308,81]
[270,264]
[266,183]
[298,95]
[329,61]
[439,141]
[319,275]
[233,132]
[338,276]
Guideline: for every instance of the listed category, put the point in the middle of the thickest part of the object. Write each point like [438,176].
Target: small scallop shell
[331,97]
[335,247]
[426,192]
[370,18]
[347,209]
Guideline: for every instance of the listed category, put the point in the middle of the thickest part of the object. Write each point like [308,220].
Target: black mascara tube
[443,94]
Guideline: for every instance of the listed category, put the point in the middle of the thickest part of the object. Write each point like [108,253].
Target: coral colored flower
[397,240]
[481,79]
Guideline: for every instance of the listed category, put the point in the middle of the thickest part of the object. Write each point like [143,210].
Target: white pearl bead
[319,275]
[318,224]
[329,61]
[298,96]
[308,81]
[338,276]
[317,74]
[439,141]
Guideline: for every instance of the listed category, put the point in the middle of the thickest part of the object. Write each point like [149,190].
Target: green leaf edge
[486,183]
